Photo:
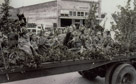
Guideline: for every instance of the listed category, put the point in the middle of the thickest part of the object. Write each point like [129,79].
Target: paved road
[68,78]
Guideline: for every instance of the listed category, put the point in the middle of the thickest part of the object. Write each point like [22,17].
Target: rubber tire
[109,74]
[88,74]
[121,71]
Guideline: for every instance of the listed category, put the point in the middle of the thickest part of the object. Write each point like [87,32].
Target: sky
[108,6]
[1,1]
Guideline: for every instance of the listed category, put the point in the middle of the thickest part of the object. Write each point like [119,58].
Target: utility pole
[58,12]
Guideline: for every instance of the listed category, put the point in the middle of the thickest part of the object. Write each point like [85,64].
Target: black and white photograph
[67,41]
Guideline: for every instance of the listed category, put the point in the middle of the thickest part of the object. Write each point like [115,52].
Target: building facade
[59,13]
[74,11]
[44,13]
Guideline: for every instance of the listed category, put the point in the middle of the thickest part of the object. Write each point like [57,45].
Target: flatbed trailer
[103,68]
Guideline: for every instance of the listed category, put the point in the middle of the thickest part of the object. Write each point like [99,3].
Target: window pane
[33,30]
[82,13]
[74,13]
[39,27]
[86,13]
[62,14]
[66,14]
[70,13]
[79,13]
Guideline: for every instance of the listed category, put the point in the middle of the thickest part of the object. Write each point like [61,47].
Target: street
[67,78]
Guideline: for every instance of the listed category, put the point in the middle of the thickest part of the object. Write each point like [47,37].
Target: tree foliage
[126,26]
[91,20]
[5,20]
[5,10]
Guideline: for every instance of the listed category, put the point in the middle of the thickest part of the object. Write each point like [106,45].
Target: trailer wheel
[109,74]
[124,74]
[88,74]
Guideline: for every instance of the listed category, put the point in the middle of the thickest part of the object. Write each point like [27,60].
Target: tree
[5,10]
[91,20]
[126,26]
[4,20]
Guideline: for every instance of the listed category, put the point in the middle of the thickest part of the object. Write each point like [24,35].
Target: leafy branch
[126,26]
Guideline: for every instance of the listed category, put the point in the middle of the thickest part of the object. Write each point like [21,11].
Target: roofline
[82,1]
[37,4]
